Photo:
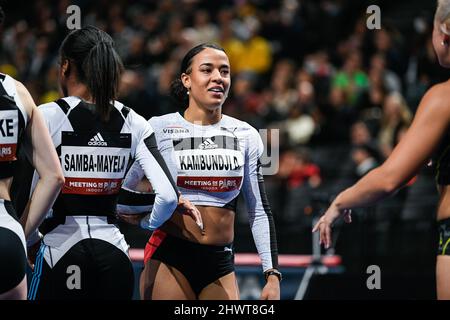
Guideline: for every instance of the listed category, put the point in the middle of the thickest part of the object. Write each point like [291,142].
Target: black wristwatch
[275,273]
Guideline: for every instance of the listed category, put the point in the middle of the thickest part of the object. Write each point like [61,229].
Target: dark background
[306,51]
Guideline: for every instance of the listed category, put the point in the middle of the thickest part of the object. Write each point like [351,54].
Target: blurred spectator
[283,94]
[389,42]
[227,38]
[365,156]
[395,114]
[245,103]
[137,55]
[360,134]
[253,52]
[336,117]
[300,126]
[119,30]
[296,169]
[132,93]
[202,30]
[41,60]
[390,81]
[352,78]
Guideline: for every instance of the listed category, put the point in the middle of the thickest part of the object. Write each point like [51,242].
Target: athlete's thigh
[115,275]
[224,288]
[443,277]
[162,282]
[17,293]
[13,259]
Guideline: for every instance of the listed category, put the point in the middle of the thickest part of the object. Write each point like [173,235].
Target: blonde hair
[442,16]
[404,112]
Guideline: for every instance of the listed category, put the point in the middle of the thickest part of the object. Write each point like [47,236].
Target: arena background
[340,94]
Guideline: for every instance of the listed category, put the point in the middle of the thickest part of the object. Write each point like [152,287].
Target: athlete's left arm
[413,151]
[260,214]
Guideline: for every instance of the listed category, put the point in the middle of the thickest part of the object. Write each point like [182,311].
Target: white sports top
[13,120]
[211,164]
[95,156]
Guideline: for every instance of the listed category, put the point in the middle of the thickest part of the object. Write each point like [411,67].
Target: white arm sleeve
[259,213]
[133,177]
[156,171]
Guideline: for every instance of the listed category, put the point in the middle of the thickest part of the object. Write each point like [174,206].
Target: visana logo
[97,140]
[208,144]
[175,130]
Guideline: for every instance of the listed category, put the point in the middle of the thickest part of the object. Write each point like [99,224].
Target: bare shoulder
[437,99]
[25,97]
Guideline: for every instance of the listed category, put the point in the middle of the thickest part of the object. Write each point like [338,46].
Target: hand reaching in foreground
[325,223]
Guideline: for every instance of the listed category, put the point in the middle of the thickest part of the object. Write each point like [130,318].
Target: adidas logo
[97,140]
[208,144]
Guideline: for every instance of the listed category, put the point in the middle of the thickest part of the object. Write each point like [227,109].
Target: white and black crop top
[211,165]
[13,120]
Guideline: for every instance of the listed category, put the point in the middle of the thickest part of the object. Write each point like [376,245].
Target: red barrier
[252,259]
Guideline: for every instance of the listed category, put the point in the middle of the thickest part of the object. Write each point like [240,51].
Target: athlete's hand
[131,218]
[32,253]
[186,207]
[271,290]
[325,223]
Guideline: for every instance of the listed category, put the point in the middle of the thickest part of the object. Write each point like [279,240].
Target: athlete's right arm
[46,162]
[430,124]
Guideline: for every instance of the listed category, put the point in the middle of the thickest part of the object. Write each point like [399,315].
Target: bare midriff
[218,226]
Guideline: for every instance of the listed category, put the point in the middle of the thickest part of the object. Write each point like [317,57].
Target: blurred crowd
[341,95]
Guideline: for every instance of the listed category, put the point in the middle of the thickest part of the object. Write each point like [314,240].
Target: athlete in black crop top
[429,130]
[21,123]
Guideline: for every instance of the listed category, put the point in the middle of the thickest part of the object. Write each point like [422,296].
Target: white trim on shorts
[8,222]
[77,228]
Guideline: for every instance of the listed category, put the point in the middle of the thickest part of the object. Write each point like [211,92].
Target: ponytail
[103,68]
[98,65]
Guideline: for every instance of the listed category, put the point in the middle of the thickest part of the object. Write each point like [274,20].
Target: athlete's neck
[203,116]
[79,90]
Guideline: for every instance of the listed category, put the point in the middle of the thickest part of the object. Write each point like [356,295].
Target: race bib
[9,132]
[212,164]
[94,164]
